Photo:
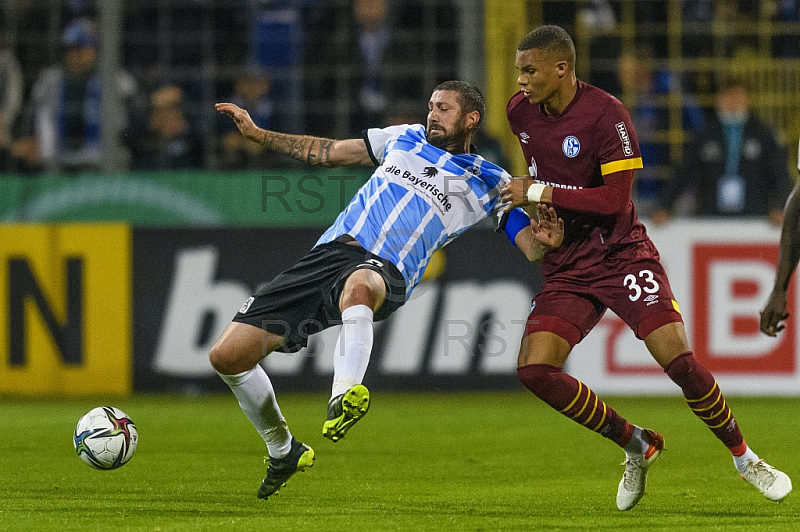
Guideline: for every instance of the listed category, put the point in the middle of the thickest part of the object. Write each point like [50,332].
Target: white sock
[351,355]
[638,444]
[256,396]
[741,461]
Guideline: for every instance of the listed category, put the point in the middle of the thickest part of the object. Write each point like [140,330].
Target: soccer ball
[105,438]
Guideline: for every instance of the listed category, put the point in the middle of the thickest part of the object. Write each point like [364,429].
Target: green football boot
[300,457]
[344,411]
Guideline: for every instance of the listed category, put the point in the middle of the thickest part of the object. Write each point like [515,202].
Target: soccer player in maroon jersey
[774,311]
[582,151]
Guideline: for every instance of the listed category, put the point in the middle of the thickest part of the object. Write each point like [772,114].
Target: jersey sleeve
[618,145]
[619,156]
[378,139]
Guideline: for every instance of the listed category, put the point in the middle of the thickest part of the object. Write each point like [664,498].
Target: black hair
[469,97]
[553,39]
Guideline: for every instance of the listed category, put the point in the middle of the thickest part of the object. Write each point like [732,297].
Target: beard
[444,140]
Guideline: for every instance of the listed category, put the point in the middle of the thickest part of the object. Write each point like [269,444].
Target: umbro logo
[651,299]
[430,171]
[523,137]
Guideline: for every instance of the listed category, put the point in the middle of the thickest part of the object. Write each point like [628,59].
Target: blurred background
[107,117]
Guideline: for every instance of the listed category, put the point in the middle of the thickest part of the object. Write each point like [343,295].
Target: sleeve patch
[627,149]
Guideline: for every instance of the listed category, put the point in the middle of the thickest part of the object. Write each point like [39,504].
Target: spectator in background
[168,141]
[598,19]
[367,52]
[11,88]
[62,126]
[645,92]
[735,166]
[786,45]
[251,90]
[350,58]
[697,41]
[373,40]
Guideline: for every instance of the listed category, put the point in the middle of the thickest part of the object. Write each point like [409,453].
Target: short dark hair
[469,97]
[553,39]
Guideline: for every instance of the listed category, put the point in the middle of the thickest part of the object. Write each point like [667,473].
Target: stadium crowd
[331,66]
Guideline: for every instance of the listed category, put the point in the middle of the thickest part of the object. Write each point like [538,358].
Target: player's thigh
[241,346]
[543,347]
[559,319]
[667,342]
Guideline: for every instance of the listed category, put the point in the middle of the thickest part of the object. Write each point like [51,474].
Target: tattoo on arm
[312,150]
[323,151]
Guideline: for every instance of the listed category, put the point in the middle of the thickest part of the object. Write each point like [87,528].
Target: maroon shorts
[634,286]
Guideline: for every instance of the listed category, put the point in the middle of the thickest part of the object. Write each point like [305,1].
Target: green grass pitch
[428,461]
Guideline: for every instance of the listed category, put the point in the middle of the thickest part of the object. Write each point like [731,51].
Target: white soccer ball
[105,438]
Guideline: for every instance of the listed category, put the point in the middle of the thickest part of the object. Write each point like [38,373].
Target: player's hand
[774,313]
[549,228]
[515,193]
[242,119]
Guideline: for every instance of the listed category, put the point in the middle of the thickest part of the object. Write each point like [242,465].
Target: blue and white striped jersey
[418,200]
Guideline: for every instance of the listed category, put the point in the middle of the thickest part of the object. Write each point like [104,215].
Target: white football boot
[774,484]
[634,480]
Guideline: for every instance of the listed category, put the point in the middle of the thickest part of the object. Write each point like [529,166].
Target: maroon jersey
[581,149]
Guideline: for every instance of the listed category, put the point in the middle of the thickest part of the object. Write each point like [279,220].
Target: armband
[535,193]
[516,221]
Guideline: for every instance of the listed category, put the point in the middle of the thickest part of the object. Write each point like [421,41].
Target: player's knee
[224,359]
[538,377]
[217,357]
[366,290]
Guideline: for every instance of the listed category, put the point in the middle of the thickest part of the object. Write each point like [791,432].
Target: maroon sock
[705,398]
[575,400]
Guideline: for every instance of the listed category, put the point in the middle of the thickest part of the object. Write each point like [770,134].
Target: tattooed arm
[313,150]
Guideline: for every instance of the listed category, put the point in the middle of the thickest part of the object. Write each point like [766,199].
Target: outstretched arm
[313,150]
[774,311]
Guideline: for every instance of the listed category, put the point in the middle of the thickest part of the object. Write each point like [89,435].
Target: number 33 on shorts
[644,283]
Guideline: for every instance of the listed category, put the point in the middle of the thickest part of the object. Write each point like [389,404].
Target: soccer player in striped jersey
[427,189]
[582,152]
[774,311]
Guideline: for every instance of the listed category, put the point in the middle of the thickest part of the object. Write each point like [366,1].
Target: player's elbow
[613,205]
[620,207]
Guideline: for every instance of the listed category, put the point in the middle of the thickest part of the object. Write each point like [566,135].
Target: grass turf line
[471,461]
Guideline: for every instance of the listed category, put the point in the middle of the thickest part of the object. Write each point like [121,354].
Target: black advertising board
[460,330]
